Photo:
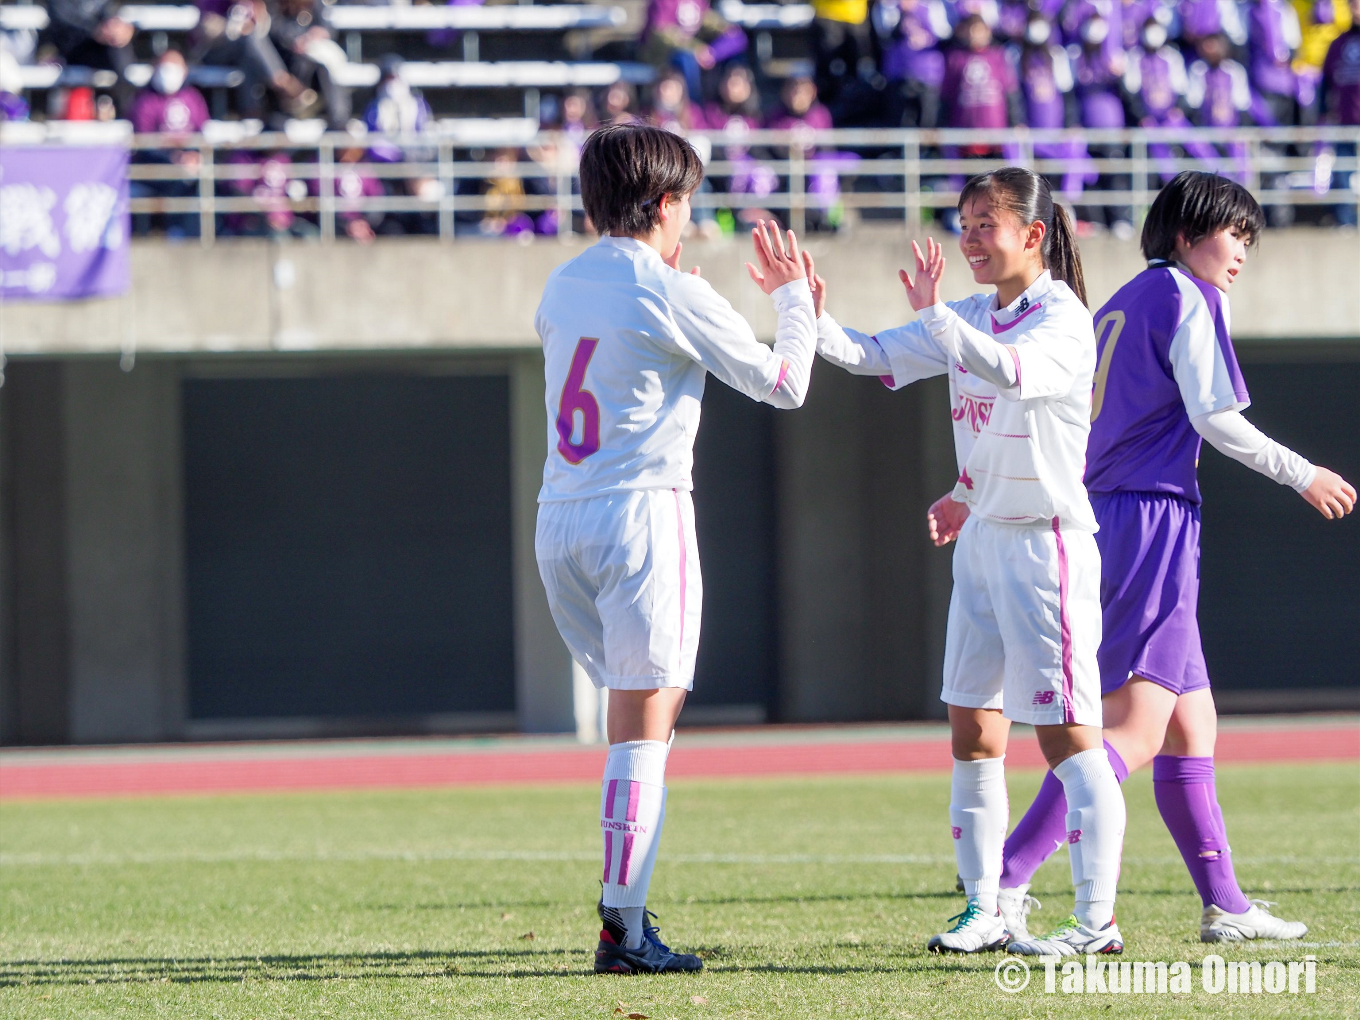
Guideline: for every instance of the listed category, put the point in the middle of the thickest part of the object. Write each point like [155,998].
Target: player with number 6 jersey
[628,341]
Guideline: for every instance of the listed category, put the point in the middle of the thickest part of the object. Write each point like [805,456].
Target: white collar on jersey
[629,244]
[1041,286]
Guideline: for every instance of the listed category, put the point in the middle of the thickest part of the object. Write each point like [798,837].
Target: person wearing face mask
[1273,34]
[1155,81]
[909,35]
[1076,19]
[1047,85]
[1203,18]
[399,110]
[170,106]
[1218,93]
[1098,70]
[1014,16]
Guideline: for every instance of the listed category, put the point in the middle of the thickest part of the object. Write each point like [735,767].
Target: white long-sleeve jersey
[1019,388]
[627,344]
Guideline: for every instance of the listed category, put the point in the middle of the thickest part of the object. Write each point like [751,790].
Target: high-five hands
[924,290]
[674,260]
[945,518]
[778,265]
[816,284]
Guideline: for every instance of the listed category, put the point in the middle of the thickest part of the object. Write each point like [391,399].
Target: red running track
[198,773]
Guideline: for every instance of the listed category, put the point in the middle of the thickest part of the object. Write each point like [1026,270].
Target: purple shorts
[1149,591]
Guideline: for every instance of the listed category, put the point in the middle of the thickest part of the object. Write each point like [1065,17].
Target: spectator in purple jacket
[1340,103]
[1098,70]
[736,113]
[800,110]
[1155,82]
[171,107]
[909,34]
[689,35]
[1047,86]
[1203,18]
[351,186]
[399,110]
[980,88]
[1273,34]
[1218,93]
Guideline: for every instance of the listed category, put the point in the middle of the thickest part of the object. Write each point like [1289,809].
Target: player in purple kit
[1166,378]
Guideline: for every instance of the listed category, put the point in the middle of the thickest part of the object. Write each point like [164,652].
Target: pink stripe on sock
[625,858]
[608,853]
[1069,715]
[610,791]
[634,789]
[680,525]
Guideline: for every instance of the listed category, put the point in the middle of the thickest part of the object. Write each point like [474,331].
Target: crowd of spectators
[992,64]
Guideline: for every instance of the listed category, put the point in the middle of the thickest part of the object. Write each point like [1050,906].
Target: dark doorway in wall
[1280,587]
[347,547]
[734,508]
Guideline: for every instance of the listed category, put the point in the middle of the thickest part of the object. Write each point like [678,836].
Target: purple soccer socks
[1188,801]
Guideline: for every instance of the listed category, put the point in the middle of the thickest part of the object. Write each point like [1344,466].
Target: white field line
[421,856]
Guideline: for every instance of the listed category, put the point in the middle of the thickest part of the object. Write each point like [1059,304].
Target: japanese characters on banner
[63,222]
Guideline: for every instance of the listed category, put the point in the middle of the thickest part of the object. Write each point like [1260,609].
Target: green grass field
[808,897]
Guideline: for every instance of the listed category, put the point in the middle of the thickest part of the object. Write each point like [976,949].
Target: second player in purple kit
[1166,379]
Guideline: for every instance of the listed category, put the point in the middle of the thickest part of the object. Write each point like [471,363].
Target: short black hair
[626,170]
[1196,204]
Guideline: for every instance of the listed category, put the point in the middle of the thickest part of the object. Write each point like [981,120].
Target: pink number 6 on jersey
[574,399]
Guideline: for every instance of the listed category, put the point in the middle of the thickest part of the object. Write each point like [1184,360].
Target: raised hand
[1331,494]
[924,290]
[778,265]
[674,260]
[945,519]
[817,285]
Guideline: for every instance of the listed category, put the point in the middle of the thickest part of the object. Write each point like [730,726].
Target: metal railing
[896,172]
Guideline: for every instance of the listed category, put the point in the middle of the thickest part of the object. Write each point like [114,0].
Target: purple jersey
[1045,77]
[1218,95]
[1165,357]
[1272,37]
[975,87]
[1098,79]
[182,113]
[913,53]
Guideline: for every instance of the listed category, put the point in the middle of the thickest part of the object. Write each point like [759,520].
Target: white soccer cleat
[1217,925]
[975,932]
[1072,938]
[1015,905]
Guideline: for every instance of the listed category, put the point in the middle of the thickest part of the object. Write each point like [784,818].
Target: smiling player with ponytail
[1024,617]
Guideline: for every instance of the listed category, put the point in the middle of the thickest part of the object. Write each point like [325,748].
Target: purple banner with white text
[63,222]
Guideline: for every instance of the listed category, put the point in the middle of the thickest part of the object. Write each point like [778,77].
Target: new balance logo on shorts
[1042,698]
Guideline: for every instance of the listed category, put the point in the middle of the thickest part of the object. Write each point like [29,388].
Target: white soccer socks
[632,808]
[979,814]
[1095,833]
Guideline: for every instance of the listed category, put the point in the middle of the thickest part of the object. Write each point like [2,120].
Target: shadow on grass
[414,965]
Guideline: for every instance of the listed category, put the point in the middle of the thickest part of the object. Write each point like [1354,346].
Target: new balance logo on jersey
[1074,836]
[1042,698]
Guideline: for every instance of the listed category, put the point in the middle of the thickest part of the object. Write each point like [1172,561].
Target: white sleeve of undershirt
[856,352]
[1233,436]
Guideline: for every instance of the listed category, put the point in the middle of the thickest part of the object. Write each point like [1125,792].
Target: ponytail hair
[1027,195]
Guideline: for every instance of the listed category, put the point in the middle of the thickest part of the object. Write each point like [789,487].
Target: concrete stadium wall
[92,629]
[419,294]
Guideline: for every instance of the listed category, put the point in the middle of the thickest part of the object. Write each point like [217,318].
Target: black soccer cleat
[652,957]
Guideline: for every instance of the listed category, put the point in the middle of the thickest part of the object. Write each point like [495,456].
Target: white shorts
[1024,623]
[623,583]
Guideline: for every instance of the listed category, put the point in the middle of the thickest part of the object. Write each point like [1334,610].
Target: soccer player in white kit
[1024,617]
[628,341]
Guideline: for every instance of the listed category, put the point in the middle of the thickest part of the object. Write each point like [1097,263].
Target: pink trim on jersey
[783,371]
[1015,357]
[886,380]
[998,328]
[1069,714]
[680,526]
